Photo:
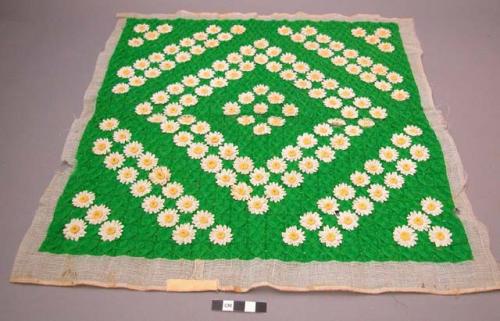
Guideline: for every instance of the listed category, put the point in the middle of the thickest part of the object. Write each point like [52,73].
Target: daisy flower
[339,61]
[243,165]
[187,204]
[173,110]
[349,112]
[160,98]
[241,191]
[276,121]
[276,165]
[400,95]
[413,130]
[360,179]
[135,42]
[111,230]
[406,167]
[325,154]
[348,220]
[306,140]
[260,108]
[393,180]
[366,122]
[340,142]
[203,220]
[350,53]
[197,150]
[122,136]
[291,153]
[211,164]
[237,29]
[401,140]
[431,206]
[200,128]
[293,236]
[388,154]
[330,236]
[108,124]
[440,236]
[373,167]
[332,102]
[225,177]
[284,31]
[120,88]
[257,205]
[261,129]
[358,32]
[246,120]
[289,110]
[167,65]
[378,112]
[274,192]
[147,161]
[383,85]
[159,175]
[309,165]
[188,100]
[172,190]
[125,72]
[259,177]
[182,139]
[190,81]
[151,35]
[344,192]
[97,214]
[328,205]
[231,109]
[228,151]
[221,235]
[75,229]
[133,149]
[83,199]
[405,236]
[184,234]
[323,129]
[101,146]
[127,175]
[378,193]
[311,221]
[164,28]
[353,130]
[168,218]
[362,205]
[419,153]
[152,204]
[140,188]
[418,221]
[292,179]
[169,126]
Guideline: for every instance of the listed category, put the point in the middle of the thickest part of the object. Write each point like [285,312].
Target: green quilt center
[241,139]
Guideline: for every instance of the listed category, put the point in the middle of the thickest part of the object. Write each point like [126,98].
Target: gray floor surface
[47,54]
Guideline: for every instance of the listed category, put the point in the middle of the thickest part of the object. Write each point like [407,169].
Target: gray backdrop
[47,54]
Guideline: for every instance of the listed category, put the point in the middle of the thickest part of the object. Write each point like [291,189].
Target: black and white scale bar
[238,306]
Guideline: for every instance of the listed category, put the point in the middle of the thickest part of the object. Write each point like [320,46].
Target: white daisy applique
[111,230]
[221,235]
[293,236]
[405,236]
[75,229]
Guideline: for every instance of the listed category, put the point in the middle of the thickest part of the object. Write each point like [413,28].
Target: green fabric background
[259,235]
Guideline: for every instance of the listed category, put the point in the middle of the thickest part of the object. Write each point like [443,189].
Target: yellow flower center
[405,236]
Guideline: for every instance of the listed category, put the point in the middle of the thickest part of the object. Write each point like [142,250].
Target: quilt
[227,152]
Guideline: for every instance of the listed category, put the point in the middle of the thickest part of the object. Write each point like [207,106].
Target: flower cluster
[355,64]
[147,163]
[144,32]
[97,214]
[420,222]
[211,148]
[151,67]
[375,38]
[351,200]
[260,99]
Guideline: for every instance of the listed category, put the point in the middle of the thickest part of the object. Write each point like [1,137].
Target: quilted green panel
[289,140]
